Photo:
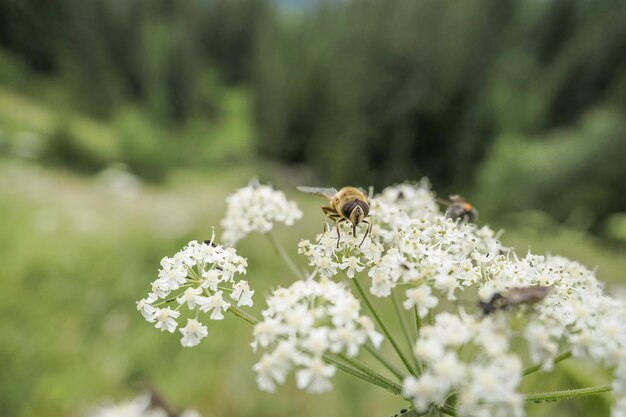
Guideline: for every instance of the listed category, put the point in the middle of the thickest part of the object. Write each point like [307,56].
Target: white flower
[424,391]
[138,407]
[165,319]
[346,338]
[317,342]
[191,297]
[242,293]
[211,279]
[367,326]
[173,276]
[449,370]
[146,309]
[421,298]
[193,332]
[268,373]
[215,303]
[352,264]
[315,376]
[327,267]
[160,288]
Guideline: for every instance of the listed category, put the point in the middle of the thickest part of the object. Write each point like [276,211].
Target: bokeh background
[124,124]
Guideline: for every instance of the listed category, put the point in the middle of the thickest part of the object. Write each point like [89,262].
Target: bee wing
[322,192]
[455,198]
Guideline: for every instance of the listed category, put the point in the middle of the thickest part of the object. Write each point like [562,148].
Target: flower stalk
[405,329]
[537,367]
[384,362]
[285,256]
[388,334]
[539,397]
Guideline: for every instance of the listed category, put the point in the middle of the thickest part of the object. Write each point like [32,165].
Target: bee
[348,204]
[460,208]
[515,297]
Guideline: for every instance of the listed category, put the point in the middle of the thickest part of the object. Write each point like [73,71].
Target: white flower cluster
[577,316]
[416,249]
[329,258]
[195,277]
[256,208]
[466,358]
[422,247]
[301,324]
[395,205]
[485,378]
[141,406]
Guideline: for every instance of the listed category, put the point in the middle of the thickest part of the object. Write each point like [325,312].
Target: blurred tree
[365,91]
[374,92]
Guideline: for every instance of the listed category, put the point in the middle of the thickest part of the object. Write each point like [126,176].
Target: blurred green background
[124,124]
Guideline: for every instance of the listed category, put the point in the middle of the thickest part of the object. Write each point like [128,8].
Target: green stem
[566,394]
[418,321]
[446,409]
[281,252]
[418,326]
[243,315]
[558,359]
[390,385]
[382,325]
[384,362]
[354,372]
[449,410]
[405,329]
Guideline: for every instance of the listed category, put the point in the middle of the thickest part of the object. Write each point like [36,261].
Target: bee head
[357,214]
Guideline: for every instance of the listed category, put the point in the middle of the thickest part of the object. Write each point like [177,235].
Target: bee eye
[348,207]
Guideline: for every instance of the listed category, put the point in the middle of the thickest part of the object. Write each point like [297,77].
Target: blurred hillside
[509,102]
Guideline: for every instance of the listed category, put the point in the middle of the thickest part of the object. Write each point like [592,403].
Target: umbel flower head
[255,208]
[464,358]
[301,324]
[198,279]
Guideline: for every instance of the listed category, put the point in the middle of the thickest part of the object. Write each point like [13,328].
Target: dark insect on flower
[514,297]
[460,208]
[211,242]
[404,410]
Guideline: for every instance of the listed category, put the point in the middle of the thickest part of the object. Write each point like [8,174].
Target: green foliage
[152,52]
[65,149]
[143,146]
[376,92]
[583,165]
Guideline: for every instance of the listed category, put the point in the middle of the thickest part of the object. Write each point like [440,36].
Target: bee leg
[323,232]
[367,232]
[338,234]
